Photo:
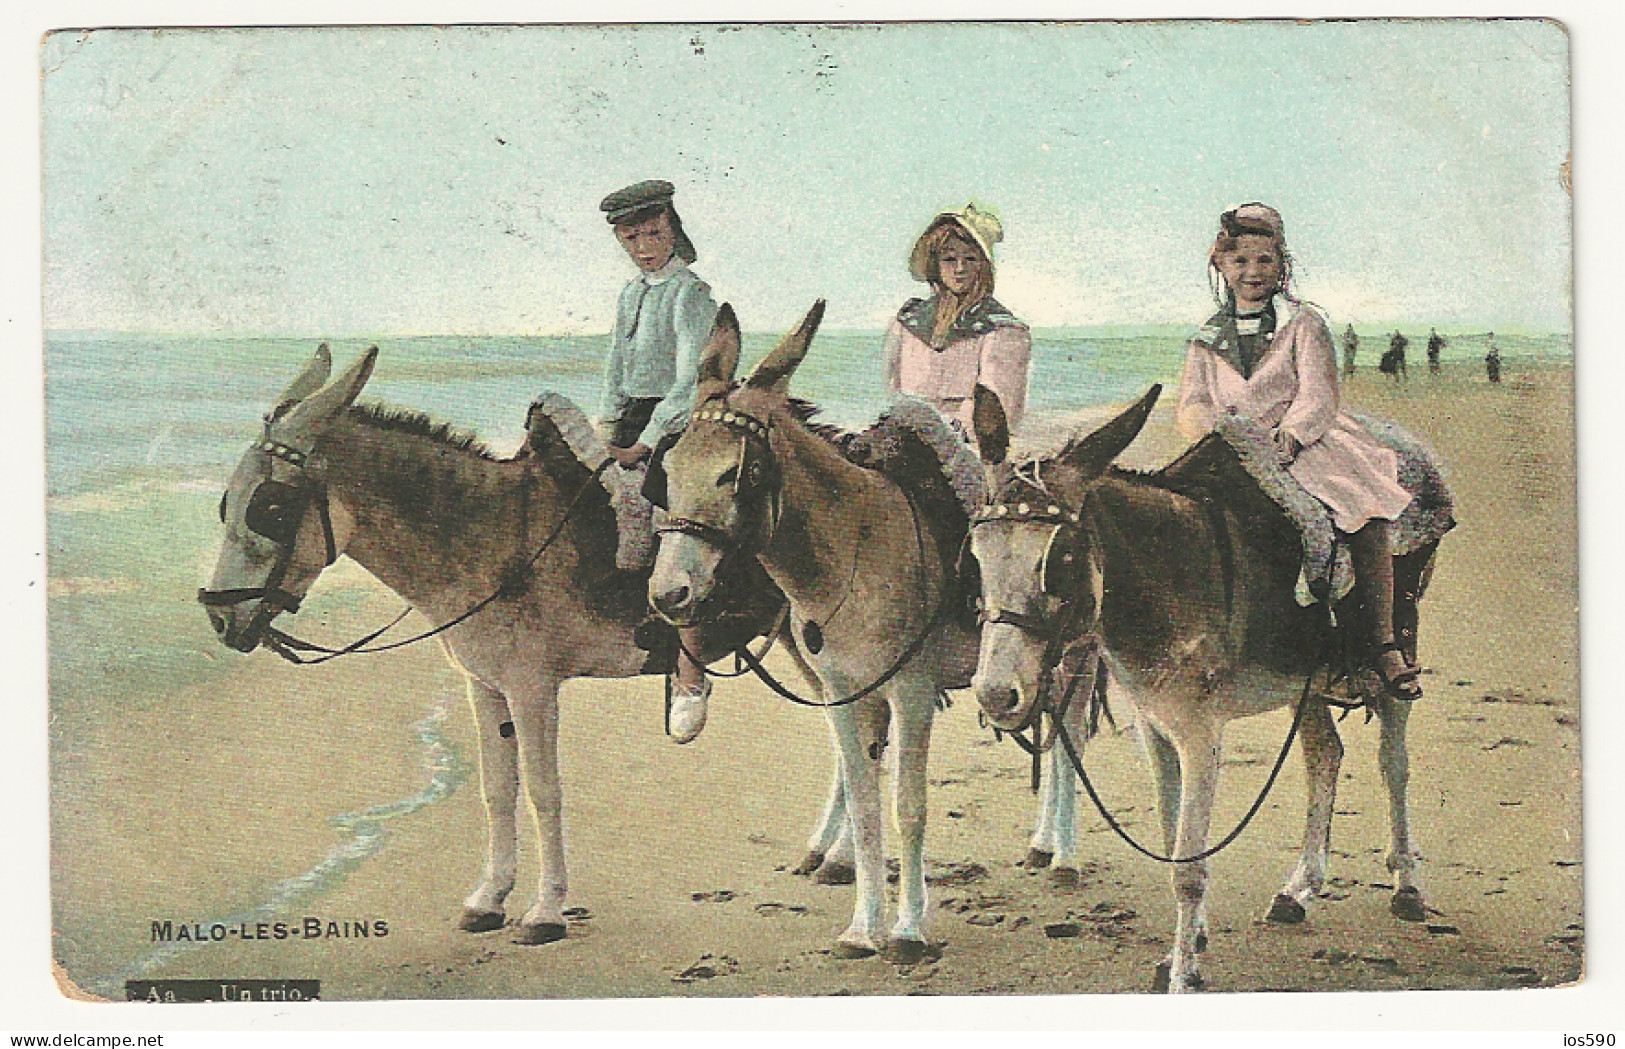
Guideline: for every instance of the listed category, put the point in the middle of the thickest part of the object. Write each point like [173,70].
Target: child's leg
[690,691]
[1372,551]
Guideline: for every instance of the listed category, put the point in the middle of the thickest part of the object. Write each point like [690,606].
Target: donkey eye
[729,476]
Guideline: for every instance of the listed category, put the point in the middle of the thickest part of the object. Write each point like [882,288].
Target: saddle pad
[634,515]
[1326,564]
[880,447]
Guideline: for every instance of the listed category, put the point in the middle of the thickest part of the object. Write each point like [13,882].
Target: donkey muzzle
[674,604]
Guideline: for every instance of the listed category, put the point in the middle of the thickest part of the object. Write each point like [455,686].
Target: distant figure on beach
[1435,344]
[1492,361]
[1393,359]
[1351,346]
[1268,357]
[939,348]
[662,320]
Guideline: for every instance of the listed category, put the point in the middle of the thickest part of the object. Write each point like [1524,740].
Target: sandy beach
[680,856]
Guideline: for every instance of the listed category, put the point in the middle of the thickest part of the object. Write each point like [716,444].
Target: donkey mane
[904,457]
[387,417]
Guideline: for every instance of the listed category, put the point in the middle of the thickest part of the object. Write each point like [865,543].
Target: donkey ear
[308,382]
[1087,457]
[719,358]
[316,410]
[776,368]
[991,428]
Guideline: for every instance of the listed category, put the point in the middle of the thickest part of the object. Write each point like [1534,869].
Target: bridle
[1063,627]
[281,523]
[754,475]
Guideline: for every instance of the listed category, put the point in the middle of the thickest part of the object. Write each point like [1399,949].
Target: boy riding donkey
[662,320]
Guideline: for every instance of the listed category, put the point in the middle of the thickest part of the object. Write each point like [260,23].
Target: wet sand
[679,856]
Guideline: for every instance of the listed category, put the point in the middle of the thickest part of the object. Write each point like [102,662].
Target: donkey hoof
[1065,878]
[848,952]
[480,921]
[836,873]
[540,933]
[1407,905]
[1037,859]
[1193,982]
[809,863]
[1201,943]
[909,952]
[1159,979]
[1284,910]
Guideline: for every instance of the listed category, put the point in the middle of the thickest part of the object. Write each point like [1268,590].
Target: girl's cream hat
[981,225]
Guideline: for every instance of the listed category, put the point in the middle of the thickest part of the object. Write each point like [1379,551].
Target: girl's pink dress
[1294,386]
[988,345]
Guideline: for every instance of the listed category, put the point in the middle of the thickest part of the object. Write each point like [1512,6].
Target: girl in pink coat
[1267,357]
[940,348]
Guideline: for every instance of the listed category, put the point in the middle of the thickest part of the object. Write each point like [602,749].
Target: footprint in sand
[709,967]
[714,896]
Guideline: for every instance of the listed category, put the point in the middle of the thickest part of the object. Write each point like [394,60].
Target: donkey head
[279,532]
[1041,576]
[722,477]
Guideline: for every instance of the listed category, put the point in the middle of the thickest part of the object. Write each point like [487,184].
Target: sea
[143,430]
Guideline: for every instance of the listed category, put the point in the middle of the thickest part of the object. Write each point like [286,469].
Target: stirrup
[1404,687]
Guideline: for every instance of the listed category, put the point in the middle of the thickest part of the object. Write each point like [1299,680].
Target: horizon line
[1124,328]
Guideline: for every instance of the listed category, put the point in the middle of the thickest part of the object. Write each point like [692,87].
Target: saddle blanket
[1326,564]
[634,515]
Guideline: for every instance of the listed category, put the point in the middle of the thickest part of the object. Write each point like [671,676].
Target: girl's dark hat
[635,198]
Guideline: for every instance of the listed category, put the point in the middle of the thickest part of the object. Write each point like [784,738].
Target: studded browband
[1050,513]
[281,451]
[734,419]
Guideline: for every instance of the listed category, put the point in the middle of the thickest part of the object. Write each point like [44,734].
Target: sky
[351,181]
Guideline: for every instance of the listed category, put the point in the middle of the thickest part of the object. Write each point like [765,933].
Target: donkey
[870,580]
[1190,597]
[433,516]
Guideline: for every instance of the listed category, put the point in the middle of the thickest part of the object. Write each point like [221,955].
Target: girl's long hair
[951,307]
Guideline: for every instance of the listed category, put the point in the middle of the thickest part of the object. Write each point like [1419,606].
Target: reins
[1258,802]
[288,646]
[907,656]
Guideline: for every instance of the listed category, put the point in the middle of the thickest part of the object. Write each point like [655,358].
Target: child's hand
[1286,446]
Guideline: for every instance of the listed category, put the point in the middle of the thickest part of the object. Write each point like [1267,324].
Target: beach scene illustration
[473,454]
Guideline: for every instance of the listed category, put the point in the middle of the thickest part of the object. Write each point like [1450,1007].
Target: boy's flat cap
[635,198]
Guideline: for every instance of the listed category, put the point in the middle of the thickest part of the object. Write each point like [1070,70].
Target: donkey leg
[537,723]
[1407,903]
[915,702]
[499,786]
[832,823]
[1165,776]
[857,735]
[1322,757]
[1041,846]
[1199,776]
[840,863]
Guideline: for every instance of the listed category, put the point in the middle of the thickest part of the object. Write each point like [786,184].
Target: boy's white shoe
[686,716]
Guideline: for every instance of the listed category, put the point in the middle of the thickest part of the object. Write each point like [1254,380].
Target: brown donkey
[1191,595]
[869,588]
[442,523]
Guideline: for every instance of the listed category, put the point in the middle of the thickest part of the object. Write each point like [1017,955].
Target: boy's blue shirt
[661,324]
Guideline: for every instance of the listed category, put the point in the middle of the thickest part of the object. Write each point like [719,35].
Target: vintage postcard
[474,455]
